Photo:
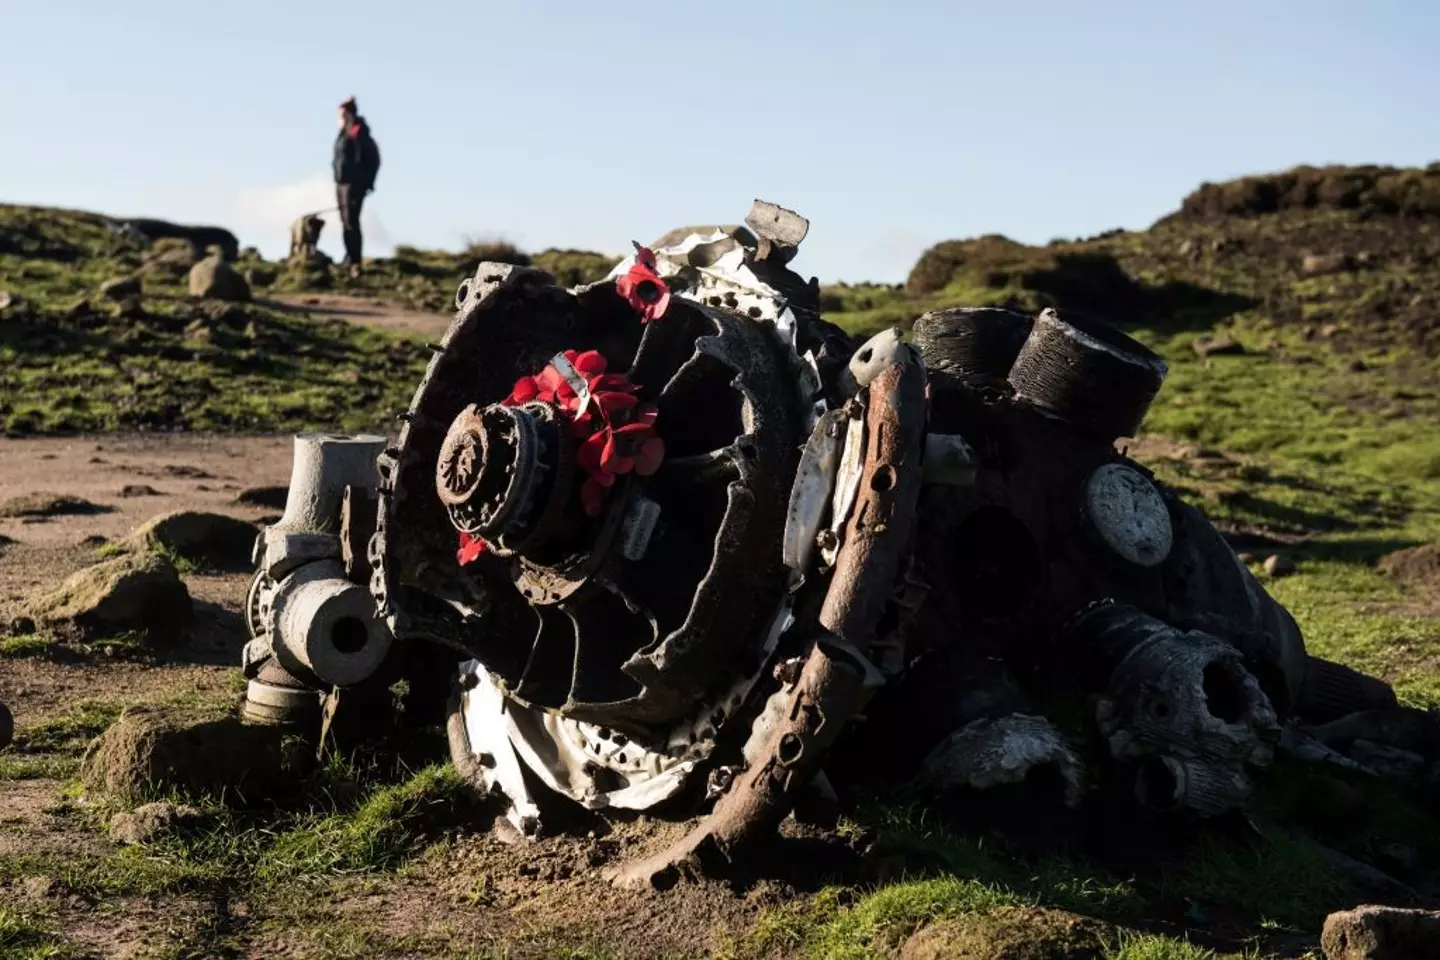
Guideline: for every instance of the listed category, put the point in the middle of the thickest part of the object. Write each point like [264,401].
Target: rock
[210,540]
[1319,264]
[1328,331]
[1219,345]
[138,490]
[8,299]
[146,822]
[47,505]
[139,591]
[1010,933]
[1277,566]
[169,259]
[149,753]
[270,498]
[215,279]
[1245,557]
[120,288]
[1381,933]
[198,331]
[7,726]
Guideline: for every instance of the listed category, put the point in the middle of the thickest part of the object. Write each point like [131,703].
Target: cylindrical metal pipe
[324,626]
[324,465]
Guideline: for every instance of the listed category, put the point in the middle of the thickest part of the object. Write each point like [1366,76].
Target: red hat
[348,105]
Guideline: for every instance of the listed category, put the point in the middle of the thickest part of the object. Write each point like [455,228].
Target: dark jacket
[357,158]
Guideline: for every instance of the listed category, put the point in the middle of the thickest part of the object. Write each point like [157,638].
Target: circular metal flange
[1129,515]
[488,467]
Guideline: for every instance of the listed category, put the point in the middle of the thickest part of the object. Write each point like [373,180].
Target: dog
[304,235]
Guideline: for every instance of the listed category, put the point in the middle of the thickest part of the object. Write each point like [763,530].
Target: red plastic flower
[471,547]
[616,430]
[643,288]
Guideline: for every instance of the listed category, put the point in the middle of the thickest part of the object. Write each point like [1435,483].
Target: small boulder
[215,279]
[146,822]
[209,540]
[1381,933]
[120,288]
[1278,565]
[150,753]
[7,726]
[1010,933]
[1219,345]
[139,591]
[8,299]
[138,490]
[47,505]
[268,498]
[1320,264]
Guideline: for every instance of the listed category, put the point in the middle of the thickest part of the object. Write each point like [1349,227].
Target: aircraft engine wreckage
[668,534]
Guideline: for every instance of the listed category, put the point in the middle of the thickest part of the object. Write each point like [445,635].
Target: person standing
[357,161]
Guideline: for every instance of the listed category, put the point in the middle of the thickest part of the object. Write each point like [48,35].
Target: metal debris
[827,519]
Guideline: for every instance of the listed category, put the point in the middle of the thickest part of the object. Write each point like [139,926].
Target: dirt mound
[1010,933]
[138,591]
[47,505]
[150,753]
[267,498]
[1371,190]
[149,821]
[1418,566]
[211,541]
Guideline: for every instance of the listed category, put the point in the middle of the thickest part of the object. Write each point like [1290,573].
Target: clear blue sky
[586,124]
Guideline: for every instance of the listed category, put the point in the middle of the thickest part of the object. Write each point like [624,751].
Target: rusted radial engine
[612,633]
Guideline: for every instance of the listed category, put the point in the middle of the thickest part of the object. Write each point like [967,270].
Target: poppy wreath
[615,429]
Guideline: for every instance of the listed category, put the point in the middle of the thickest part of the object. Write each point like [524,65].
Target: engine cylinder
[1087,374]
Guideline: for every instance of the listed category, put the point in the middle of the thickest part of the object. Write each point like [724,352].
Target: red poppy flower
[643,288]
[616,431]
[592,497]
[471,547]
[525,390]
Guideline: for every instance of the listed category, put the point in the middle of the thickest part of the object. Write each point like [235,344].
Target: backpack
[370,158]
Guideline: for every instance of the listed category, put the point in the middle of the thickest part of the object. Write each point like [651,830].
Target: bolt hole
[790,749]
[1159,709]
[883,479]
[349,635]
[1224,693]
[648,291]
[747,449]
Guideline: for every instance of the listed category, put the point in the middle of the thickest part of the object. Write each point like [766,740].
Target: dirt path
[126,480]
[370,311]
